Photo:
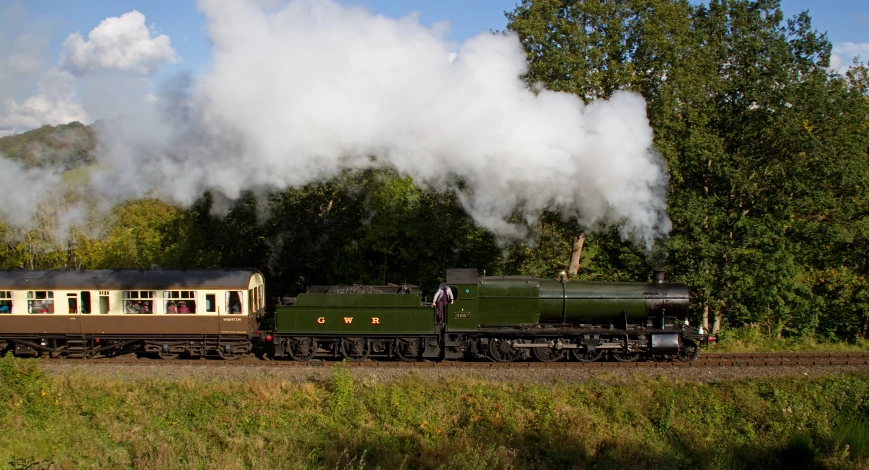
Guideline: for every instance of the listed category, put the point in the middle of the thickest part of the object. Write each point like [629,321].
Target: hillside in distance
[67,146]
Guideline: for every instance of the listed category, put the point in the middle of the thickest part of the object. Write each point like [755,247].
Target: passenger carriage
[164,312]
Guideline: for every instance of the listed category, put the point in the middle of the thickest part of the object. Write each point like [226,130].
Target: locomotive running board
[568,346]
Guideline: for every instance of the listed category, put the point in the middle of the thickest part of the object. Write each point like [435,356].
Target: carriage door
[72,302]
[232,318]
[104,301]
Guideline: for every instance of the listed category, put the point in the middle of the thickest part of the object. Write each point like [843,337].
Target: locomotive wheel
[301,349]
[688,351]
[355,349]
[407,350]
[500,350]
[625,357]
[584,355]
[548,354]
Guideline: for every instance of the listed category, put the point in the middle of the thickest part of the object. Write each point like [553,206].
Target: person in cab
[442,297]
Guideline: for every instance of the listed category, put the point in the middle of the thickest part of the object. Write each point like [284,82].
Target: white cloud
[844,53]
[20,63]
[122,44]
[119,43]
[55,103]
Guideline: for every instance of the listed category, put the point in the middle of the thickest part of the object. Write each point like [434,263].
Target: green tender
[352,314]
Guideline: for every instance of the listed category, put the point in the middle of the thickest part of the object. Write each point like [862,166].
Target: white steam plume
[23,190]
[296,93]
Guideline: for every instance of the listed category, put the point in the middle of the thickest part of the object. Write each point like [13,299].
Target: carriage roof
[126,279]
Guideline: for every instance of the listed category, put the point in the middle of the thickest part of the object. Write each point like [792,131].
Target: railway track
[705,360]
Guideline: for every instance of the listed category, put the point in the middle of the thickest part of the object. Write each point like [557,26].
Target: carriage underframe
[228,347]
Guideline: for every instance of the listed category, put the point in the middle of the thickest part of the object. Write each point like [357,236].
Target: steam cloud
[23,189]
[297,93]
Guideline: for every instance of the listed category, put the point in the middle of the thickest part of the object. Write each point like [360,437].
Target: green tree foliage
[372,226]
[766,148]
[139,236]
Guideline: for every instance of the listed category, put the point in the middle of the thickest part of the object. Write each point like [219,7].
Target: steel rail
[706,360]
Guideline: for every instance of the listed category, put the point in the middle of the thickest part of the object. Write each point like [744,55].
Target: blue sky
[843,20]
[36,87]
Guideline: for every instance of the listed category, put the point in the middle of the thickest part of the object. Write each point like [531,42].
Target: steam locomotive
[202,313]
[501,318]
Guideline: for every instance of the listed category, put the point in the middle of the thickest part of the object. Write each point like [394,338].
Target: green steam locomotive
[500,318]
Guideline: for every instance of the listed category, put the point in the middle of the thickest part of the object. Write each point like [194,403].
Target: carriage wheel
[167,355]
[688,351]
[584,355]
[228,356]
[501,350]
[301,349]
[355,349]
[407,350]
[548,354]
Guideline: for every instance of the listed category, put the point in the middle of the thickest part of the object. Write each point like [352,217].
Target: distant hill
[67,146]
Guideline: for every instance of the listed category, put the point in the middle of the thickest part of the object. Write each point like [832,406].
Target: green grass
[750,339]
[67,421]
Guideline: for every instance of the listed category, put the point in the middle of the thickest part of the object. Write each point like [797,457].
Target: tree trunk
[705,316]
[576,255]
[717,322]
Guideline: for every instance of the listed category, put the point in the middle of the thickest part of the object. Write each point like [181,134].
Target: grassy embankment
[748,339]
[73,422]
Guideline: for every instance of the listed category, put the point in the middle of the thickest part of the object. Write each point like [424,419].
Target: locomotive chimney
[659,275]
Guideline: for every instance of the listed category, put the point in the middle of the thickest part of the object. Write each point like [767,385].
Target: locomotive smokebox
[659,275]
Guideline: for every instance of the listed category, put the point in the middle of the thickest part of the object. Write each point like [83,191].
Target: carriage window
[233,301]
[251,306]
[209,303]
[179,301]
[139,301]
[104,301]
[261,297]
[85,302]
[40,301]
[72,300]
[5,301]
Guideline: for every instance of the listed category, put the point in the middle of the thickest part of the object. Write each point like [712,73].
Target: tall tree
[759,138]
